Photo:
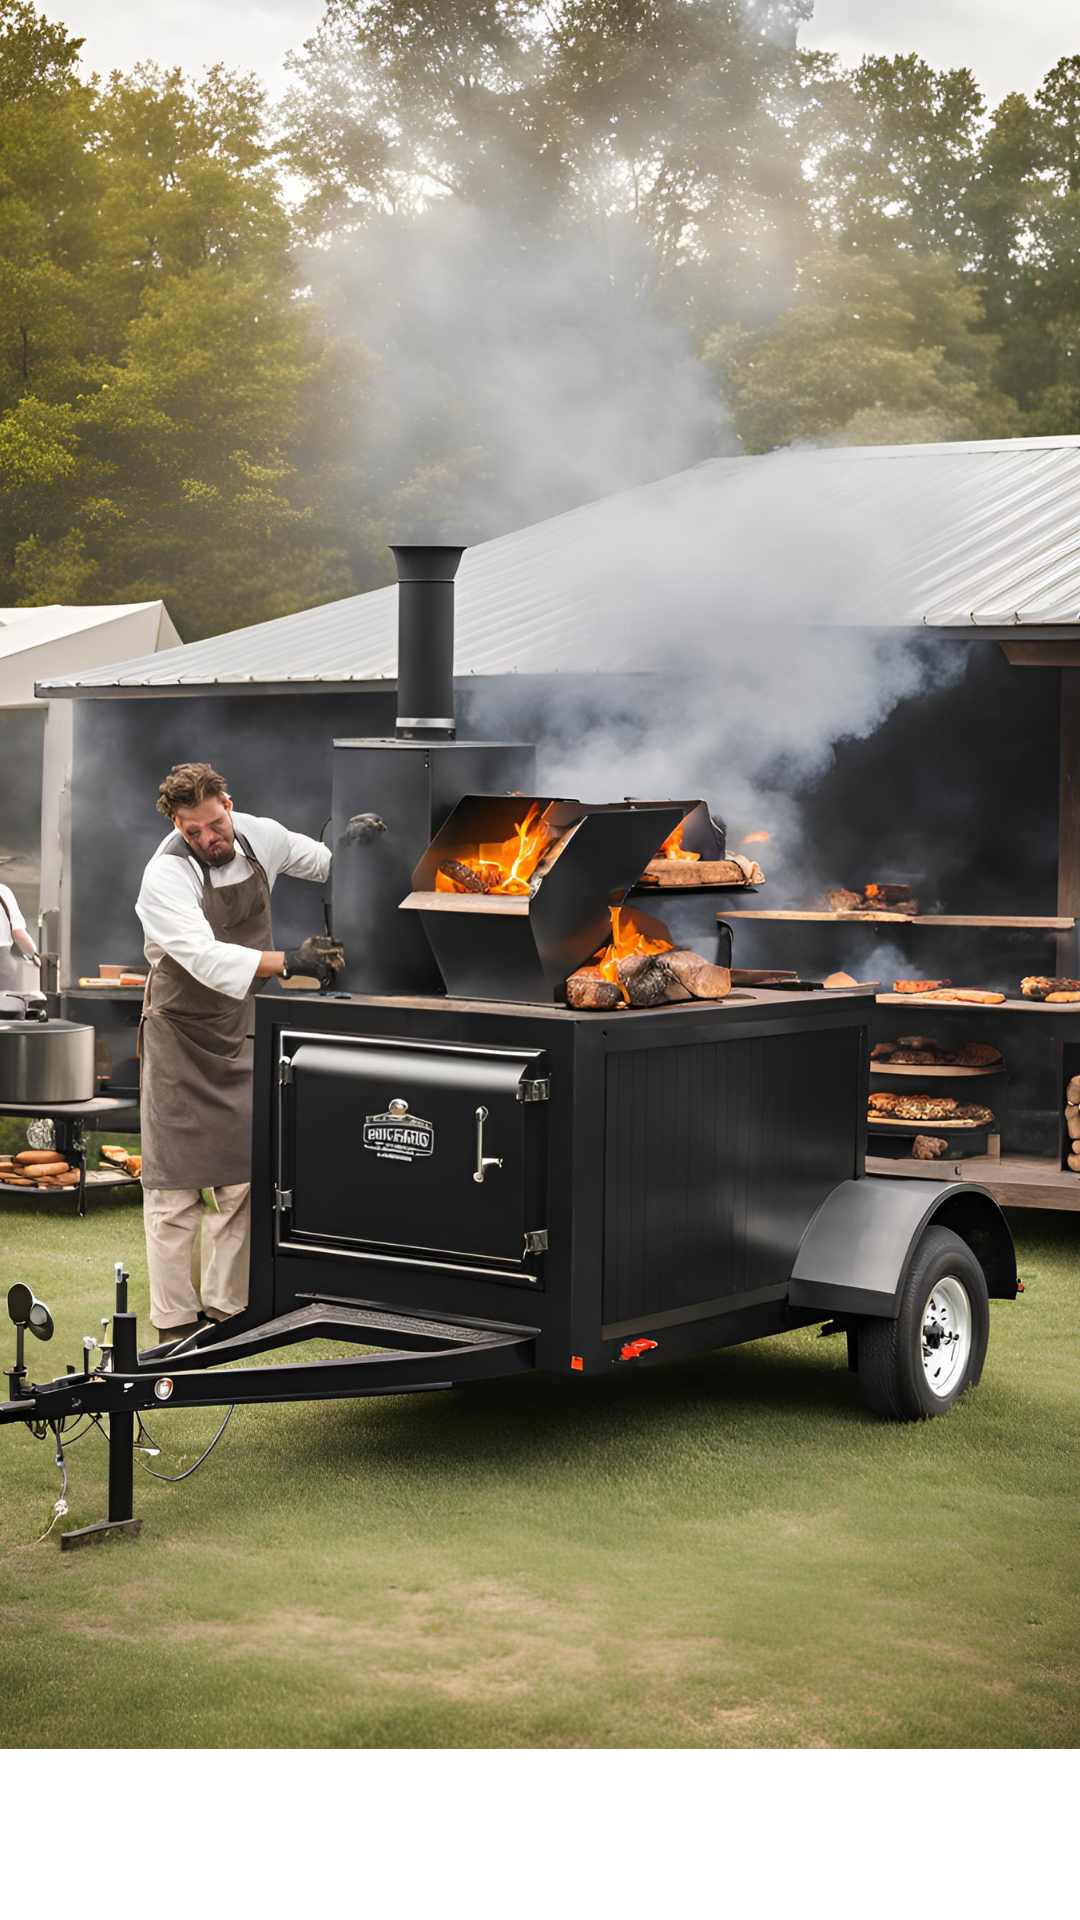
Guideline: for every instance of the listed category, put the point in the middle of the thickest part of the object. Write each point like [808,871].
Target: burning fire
[871,890]
[506,866]
[629,935]
[757,838]
[673,848]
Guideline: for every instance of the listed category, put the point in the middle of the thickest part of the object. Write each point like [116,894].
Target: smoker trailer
[483,1181]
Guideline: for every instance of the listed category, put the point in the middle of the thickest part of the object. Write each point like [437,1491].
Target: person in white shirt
[204,905]
[14,942]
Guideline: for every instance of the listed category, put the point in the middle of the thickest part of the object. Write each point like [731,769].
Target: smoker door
[384,1144]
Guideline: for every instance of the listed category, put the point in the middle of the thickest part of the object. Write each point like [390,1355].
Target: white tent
[37,643]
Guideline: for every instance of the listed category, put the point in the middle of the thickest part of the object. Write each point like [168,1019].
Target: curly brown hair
[188,785]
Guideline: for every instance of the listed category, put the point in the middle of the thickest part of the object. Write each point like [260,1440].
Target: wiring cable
[61,1504]
[175,1478]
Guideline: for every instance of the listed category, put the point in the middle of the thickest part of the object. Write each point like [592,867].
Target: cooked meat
[918,986]
[975,996]
[1038,986]
[915,1057]
[883,1102]
[981,1114]
[842,900]
[1062,998]
[928,1146]
[883,1050]
[1073,1163]
[977,1053]
[915,1040]
[925,1106]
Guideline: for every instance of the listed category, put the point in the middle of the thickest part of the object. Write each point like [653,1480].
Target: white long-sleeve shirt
[12,921]
[170,901]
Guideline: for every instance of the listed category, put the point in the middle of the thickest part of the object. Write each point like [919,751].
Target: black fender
[856,1250]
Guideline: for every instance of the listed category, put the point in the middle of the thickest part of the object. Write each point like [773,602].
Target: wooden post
[1068,898]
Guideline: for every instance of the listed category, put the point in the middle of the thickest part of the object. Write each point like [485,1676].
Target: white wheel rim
[945,1339]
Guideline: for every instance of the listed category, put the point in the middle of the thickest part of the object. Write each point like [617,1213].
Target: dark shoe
[168,1335]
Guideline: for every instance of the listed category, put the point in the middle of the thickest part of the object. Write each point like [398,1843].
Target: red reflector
[631,1348]
[1019,1286]
[577,1362]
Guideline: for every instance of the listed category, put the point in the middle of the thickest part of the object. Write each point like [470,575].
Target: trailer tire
[918,1365]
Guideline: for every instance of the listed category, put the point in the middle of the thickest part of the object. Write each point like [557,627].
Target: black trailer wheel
[917,1365]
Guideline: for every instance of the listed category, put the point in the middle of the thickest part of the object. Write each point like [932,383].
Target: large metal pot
[42,1062]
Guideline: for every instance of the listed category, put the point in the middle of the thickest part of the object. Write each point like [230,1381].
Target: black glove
[362,829]
[318,956]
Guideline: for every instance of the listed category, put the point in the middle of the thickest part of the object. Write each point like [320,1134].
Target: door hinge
[537,1241]
[284,1072]
[533,1090]
[282,1199]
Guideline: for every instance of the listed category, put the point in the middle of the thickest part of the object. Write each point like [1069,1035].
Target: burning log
[588,991]
[471,879]
[641,968]
[735,871]
[701,979]
[504,866]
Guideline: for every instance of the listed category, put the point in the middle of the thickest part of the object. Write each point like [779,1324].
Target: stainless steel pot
[43,1061]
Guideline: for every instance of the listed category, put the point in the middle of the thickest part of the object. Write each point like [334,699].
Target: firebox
[515,893]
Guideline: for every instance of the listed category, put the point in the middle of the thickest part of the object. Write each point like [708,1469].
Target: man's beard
[220,857]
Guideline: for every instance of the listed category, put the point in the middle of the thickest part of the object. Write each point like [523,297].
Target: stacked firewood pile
[641,967]
[1072,1122]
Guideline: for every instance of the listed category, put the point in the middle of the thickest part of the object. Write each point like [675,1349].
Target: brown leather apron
[195,1048]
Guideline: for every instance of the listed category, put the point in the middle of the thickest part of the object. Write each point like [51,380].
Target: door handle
[482,1164]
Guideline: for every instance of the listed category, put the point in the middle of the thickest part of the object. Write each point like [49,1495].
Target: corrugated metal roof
[964,534]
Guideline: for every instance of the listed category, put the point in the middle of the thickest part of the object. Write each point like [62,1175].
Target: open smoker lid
[521,946]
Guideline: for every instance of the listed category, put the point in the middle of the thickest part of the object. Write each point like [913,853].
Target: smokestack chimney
[425,679]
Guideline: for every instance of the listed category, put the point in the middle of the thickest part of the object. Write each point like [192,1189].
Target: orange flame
[628,935]
[871,890]
[506,866]
[673,848]
[757,838]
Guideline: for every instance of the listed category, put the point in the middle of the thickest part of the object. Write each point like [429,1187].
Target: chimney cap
[426,563]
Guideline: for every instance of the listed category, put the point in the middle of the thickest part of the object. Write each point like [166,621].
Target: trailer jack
[412,1354]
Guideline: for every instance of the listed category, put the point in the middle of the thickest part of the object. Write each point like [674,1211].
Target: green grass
[724,1553]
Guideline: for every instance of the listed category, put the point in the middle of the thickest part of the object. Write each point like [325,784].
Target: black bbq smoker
[456,1169]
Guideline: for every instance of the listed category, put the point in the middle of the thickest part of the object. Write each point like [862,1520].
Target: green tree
[164,426]
[892,148]
[872,350]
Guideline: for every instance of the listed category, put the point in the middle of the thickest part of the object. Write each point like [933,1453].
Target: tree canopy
[486,259]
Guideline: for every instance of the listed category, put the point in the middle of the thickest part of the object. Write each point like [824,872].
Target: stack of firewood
[648,980]
[1072,1122]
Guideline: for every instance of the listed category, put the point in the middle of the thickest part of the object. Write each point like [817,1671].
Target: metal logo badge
[398,1134]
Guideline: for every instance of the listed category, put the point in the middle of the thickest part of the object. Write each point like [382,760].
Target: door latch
[537,1241]
[482,1163]
[285,1072]
[530,1090]
[282,1199]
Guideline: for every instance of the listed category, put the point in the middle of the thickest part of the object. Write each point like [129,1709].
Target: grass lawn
[725,1553]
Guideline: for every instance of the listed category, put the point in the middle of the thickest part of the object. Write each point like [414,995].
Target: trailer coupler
[412,1355]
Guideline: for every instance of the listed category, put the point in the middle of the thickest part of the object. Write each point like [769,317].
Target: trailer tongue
[412,1355]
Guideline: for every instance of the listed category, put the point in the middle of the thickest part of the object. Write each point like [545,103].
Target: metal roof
[961,535]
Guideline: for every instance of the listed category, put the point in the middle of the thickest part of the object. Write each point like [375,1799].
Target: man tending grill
[204,905]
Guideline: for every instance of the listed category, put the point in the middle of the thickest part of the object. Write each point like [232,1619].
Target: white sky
[1008,43]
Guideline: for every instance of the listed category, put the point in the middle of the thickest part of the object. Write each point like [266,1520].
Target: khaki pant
[189,1246]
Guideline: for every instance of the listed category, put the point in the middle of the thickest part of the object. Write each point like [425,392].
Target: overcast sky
[1009,43]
